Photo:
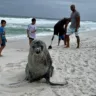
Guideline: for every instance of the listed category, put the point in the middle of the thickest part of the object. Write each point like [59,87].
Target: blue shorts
[3,42]
[61,37]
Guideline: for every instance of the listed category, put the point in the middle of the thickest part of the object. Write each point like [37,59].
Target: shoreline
[19,43]
[25,36]
[16,43]
[12,16]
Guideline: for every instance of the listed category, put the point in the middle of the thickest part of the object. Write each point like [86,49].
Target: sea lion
[39,63]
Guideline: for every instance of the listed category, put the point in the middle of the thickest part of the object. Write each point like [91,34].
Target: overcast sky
[48,8]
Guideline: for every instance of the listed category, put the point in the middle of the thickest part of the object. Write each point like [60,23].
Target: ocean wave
[16,27]
[26,21]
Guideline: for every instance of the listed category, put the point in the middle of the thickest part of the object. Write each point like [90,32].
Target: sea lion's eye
[33,47]
[41,47]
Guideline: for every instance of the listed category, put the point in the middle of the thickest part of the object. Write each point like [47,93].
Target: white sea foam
[44,26]
[26,21]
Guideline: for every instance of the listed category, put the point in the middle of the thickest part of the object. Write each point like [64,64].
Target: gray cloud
[48,8]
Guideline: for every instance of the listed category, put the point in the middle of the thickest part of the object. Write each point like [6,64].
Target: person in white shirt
[31,31]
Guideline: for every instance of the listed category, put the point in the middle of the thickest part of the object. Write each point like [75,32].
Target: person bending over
[60,29]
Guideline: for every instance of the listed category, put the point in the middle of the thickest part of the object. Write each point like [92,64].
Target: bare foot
[1,55]
[77,47]
[66,47]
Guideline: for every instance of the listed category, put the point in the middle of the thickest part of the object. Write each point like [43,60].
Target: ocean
[16,27]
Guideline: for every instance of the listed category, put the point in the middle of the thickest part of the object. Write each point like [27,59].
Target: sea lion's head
[37,47]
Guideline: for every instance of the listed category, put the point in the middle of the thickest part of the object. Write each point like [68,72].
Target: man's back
[61,23]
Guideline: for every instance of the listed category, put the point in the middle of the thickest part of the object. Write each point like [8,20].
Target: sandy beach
[77,66]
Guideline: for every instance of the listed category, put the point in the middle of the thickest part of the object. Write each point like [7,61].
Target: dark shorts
[61,37]
[3,42]
[59,30]
[31,39]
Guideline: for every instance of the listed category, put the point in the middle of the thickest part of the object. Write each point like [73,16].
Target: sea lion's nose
[38,50]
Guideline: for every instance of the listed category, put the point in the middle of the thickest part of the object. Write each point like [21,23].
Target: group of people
[60,29]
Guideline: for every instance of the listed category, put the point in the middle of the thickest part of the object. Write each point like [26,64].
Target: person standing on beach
[74,27]
[2,36]
[31,31]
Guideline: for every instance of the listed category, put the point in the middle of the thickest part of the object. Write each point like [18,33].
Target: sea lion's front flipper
[57,84]
[28,74]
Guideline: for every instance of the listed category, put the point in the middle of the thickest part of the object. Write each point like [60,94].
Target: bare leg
[67,41]
[1,49]
[78,41]
[30,41]
[59,41]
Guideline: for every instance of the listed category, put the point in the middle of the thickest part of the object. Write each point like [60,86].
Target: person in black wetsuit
[60,29]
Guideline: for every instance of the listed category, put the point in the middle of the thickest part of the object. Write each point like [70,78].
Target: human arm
[27,33]
[66,25]
[77,22]
[33,31]
[5,36]
[0,40]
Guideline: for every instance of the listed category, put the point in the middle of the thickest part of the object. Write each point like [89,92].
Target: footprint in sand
[9,65]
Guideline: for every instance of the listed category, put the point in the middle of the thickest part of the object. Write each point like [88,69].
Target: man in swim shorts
[74,27]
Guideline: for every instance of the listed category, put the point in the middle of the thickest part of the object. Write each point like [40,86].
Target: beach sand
[77,66]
